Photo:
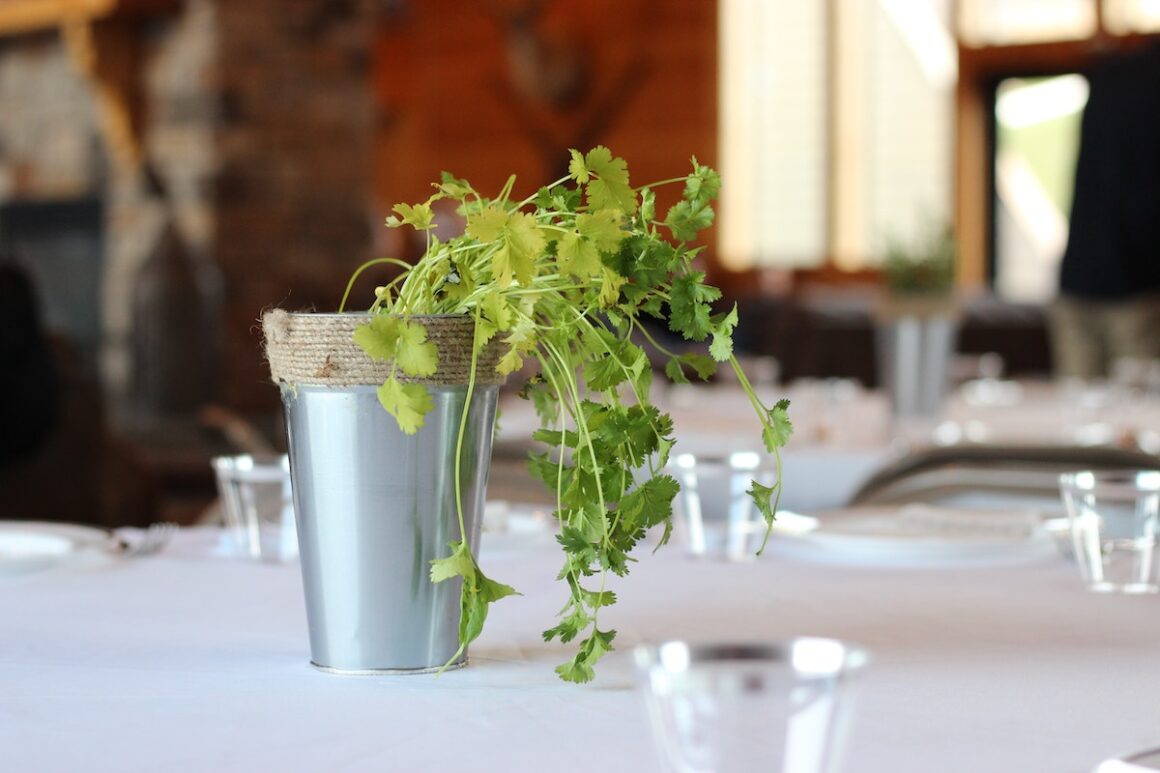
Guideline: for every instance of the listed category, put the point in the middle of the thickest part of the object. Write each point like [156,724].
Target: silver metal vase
[374,505]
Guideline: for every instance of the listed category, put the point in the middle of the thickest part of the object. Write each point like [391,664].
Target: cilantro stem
[659,183]
[763,415]
[644,331]
[363,267]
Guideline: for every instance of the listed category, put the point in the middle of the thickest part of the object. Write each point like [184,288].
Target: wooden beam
[19,17]
[110,54]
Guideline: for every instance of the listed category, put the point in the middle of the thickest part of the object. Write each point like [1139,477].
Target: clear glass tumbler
[778,707]
[1114,518]
[715,517]
[257,506]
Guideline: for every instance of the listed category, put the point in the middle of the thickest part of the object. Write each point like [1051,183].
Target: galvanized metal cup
[374,505]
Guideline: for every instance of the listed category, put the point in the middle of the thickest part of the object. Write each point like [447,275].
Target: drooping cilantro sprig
[567,278]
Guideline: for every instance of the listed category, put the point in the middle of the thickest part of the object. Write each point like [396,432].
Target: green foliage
[563,280]
[925,267]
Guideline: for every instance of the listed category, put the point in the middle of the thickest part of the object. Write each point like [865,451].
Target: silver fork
[152,541]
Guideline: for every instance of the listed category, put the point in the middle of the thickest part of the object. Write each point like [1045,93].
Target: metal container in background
[375,506]
[914,351]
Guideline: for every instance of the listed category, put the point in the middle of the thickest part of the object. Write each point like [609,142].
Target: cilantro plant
[566,278]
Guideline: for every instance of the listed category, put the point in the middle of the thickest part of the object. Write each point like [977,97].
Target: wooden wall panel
[448,99]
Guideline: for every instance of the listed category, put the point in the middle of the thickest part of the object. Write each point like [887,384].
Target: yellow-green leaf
[497,309]
[610,189]
[510,362]
[602,229]
[420,216]
[379,337]
[408,403]
[610,287]
[458,564]
[578,256]
[487,224]
[522,243]
[576,167]
[415,354]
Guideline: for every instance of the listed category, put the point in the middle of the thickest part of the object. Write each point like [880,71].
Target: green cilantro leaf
[610,189]
[778,427]
[458,564]
[420,217]
[689,306]
[415,354]
[450,185]
[488,224]
[685,219]
[379,338]
[408,403]
[577,168]
[763,500]
[722,346]
[523,243]
[578,256]
[702,185]
[651,503]
[570,626]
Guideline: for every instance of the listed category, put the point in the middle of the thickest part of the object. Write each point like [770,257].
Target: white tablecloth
[189,662]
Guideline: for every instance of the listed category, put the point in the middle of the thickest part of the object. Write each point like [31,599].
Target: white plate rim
[83,540]
[900,549]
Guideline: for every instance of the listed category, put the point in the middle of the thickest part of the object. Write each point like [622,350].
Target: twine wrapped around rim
[319,350]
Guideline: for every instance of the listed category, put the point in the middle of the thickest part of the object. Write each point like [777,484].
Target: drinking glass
[778,707]
[1114,517]
[716,518]
[257,505]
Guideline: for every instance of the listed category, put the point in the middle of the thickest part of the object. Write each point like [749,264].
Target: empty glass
[716,518]
[779,707]
[257,506]
[1114,517]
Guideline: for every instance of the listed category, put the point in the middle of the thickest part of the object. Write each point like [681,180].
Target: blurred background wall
[170,168]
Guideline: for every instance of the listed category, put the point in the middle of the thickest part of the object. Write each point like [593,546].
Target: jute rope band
[319,350]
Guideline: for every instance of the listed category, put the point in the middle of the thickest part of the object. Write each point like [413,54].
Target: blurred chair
[991,475]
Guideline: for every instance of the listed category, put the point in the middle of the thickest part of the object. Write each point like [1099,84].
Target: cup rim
[836,658]
[252,468]
[742,461]
[1115,483]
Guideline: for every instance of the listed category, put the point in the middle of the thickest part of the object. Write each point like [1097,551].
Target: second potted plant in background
[917,322]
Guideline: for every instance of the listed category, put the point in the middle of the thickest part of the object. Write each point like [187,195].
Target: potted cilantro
[562,281]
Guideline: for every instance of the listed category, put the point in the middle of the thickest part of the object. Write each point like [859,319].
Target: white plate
[920,535]
[31,546]
[1141,762]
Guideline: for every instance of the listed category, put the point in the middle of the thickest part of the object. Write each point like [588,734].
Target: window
[835,128]
[1018,107]
[1037,122]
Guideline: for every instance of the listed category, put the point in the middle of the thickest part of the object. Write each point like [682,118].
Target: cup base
[1129,589]
[387,671]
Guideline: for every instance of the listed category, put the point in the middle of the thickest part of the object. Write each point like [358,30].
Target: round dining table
[190,660]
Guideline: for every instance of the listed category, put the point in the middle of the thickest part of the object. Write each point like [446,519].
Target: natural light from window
[835,132]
